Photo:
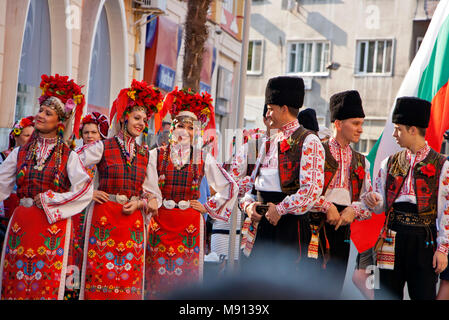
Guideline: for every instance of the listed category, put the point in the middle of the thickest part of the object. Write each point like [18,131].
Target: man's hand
[251,212]
[100,196]
[439,262]
[372,199]
[346,217]
[272,214]
[333,215]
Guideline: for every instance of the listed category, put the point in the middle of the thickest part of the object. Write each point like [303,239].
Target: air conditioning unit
[157,5]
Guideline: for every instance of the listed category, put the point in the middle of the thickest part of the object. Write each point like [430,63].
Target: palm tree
[196,33]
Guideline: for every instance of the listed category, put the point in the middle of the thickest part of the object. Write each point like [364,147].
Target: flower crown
[22,124]
[140,94]
[200,105]
[68,92]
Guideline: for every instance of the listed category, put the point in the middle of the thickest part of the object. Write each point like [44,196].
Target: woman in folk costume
[175,251]
[19,136]
[52,185]
[94,127]
[114,243]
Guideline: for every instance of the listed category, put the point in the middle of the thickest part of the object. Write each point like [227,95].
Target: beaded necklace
[128,156]
[161,182]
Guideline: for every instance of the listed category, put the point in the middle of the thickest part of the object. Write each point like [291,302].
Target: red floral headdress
[69,93]
[18,127]
[100,120]
[139,94]
[185,101]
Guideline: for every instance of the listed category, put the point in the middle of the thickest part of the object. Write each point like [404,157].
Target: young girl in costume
[176,234]
[114,243]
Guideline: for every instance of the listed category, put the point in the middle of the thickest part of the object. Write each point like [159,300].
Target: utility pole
[239,122]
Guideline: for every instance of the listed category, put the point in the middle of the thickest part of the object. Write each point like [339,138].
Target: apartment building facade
[335,45]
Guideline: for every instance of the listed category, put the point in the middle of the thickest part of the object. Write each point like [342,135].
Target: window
[255,56]
[374,57]
[308,57]
[418,43]
[361,146]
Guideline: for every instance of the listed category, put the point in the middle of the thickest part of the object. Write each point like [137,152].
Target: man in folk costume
[412,188]
[346,179]
[52,185]
[288,177]
[114,243]
[175,251]
[241,168]
[94,127]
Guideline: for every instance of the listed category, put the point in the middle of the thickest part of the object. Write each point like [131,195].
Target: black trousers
[413,264]
[332,267]
[283,245]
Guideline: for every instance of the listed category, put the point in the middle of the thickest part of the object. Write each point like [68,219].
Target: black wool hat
[307,118]
[412,111]
[288,91]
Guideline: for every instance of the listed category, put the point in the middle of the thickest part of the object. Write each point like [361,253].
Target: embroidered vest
[114,177]
[356,168]
[290,162]
[33,181]
[178,183]
[426,187]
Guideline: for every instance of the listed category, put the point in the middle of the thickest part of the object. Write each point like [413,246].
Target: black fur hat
[346,105]
[412,111]
[288,91]
[307,118]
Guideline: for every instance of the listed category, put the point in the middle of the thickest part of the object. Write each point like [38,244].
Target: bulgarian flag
[426,79]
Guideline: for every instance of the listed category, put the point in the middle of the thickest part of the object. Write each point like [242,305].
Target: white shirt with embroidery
[407,193]
[339,190]
[57,206]
[311,176]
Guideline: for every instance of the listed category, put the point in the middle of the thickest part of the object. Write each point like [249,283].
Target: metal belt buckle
[169,204]
[26,202]
[120,198]
[183,205]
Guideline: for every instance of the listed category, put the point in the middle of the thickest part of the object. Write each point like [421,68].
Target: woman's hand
[152,207]
[195,204]
[130,207]
[37,201]
[100,196]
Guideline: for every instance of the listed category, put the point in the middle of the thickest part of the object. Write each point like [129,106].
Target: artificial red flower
[428,170]
[360,171]
[284,145]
